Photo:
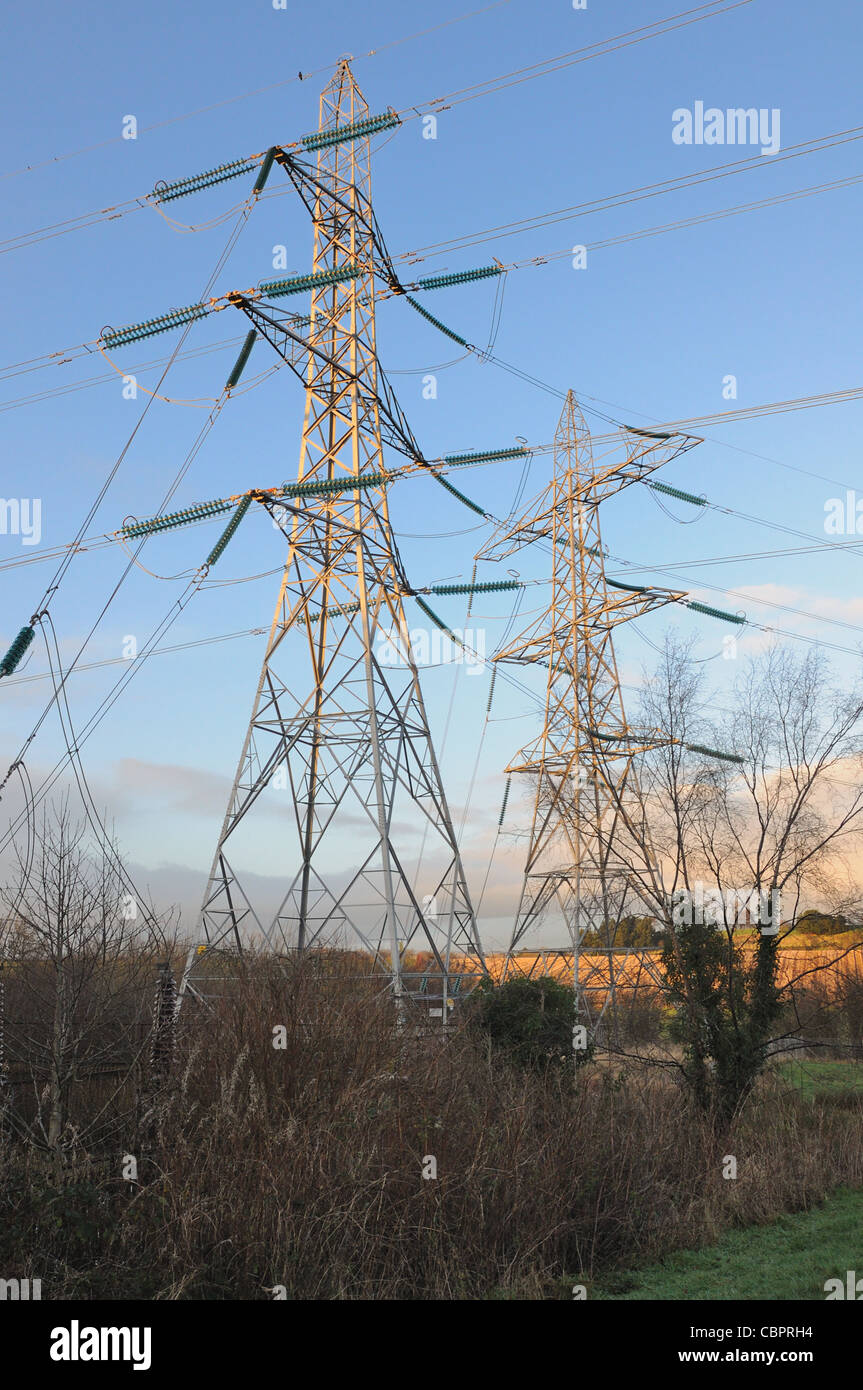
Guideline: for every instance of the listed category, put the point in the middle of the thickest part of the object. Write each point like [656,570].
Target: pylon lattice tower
[581,763]
[341,738]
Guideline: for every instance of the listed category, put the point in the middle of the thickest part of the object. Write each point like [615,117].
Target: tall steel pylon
[581,764]
[339,741]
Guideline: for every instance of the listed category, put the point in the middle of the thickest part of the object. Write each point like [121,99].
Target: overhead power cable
[63,356]
[692,422]
[684,223]
[465,241]
[101,711]
[437,104]
[42,610]
[302,76]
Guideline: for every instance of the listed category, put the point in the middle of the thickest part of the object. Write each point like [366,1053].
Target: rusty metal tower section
[580,766]
[338,754]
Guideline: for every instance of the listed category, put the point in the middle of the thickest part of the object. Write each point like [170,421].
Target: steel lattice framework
[581,764]
[339,740]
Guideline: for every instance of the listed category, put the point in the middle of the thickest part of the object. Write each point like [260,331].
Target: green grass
[788,1259]
[815,1080]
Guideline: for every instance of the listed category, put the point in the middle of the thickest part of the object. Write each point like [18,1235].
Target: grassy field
[788,1259]
[785,1259]
[819,1080]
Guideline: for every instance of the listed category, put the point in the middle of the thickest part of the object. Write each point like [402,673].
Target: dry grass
[303,1166]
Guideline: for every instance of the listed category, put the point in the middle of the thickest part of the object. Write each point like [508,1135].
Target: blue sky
[650,328]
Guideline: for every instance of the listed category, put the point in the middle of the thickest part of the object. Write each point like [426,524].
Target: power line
[61,699]
[245,96]
[751,412]
[71,387]
[100,712]
[412,112]
[630,566]
[815,145]
[684,223]
[845,395]
[812,146]
[785,553]
[65,561]
[582,55]
[37,676]
[64,356]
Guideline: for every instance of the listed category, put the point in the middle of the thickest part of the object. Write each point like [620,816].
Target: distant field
[630,971]
[788,1259]
[807,941]
[815,1080]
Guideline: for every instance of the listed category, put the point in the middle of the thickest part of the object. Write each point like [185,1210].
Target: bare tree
[724,849]
[82,954]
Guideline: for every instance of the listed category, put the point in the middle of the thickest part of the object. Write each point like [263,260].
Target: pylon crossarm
[624,608]
[288,342]
[536,524]
[312,189]
[295,351]
[533,651]
[649,742]
[641,460]
[534,647]
[588,487]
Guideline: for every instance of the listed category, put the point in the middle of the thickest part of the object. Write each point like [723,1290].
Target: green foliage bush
[531,1021]
[629,931]
[821,923]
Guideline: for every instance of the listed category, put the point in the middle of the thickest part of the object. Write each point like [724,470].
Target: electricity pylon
[581,764]
[339,741]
